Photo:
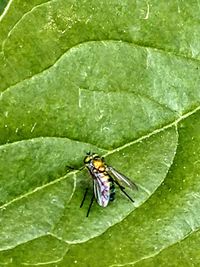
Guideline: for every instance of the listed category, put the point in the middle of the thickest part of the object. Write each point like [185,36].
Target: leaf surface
[117,78]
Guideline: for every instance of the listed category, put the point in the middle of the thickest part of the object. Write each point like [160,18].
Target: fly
[104,179]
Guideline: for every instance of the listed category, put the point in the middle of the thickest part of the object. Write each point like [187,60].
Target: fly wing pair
[102,190]
[120,178]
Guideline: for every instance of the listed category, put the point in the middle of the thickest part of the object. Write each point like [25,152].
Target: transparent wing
[122,179]
[101,192]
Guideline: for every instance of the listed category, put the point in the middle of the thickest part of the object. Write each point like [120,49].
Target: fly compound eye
[87,159]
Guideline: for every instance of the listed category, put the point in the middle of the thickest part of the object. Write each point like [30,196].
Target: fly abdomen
[112,191]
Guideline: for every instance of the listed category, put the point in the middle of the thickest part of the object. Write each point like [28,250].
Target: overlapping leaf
[120,79]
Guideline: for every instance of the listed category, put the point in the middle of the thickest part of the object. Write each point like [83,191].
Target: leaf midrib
[186,115]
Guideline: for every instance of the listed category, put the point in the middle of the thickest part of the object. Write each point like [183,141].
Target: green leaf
[35,252]
[3,4]
[117,78]
[158,226]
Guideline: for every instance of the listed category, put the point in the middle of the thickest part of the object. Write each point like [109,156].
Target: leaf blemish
[33,128]
[147,13]
[79,97]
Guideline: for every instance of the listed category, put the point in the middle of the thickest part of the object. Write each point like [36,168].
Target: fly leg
[91,202]
[82,202]
[70,168]
[122,189]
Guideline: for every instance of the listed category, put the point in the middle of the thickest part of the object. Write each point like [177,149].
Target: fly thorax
[99,165]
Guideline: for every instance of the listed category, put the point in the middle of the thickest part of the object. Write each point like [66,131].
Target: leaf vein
[106,154]
[36,190]
[158,252]
[5,10]
[93,41]
[47,262]
[16,24]
[49,137]
[164,106]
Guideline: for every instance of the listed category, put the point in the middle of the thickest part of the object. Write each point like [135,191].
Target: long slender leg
[73,168]
[70,167]
[122,189]
[92,199]
[86,190]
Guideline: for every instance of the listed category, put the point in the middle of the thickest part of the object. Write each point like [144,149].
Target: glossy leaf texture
[119,78]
